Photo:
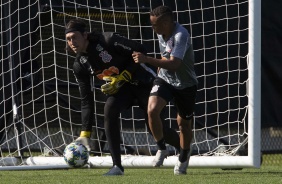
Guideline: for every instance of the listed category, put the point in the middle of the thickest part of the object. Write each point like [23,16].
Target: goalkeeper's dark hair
[79,25]
[162,11]
[75,25]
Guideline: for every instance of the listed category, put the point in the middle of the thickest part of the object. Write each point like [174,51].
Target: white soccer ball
[76,154]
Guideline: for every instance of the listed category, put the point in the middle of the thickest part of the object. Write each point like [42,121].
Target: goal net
[39,97]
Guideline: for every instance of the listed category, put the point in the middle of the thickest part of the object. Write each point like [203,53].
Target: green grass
[268,174]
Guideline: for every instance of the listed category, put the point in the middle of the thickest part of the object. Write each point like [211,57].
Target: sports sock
[161,144]
[183,155]
[172,138]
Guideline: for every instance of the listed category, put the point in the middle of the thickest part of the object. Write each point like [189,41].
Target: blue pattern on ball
[76,155]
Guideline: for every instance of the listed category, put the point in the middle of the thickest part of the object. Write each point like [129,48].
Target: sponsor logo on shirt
[108,72]
[83,59]
[121,45]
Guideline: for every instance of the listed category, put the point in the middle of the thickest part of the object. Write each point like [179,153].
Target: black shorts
[183,99]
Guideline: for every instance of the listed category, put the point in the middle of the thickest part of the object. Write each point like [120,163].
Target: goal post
[39,97]
[255,82]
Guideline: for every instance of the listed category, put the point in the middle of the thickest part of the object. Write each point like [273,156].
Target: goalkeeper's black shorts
[183,99]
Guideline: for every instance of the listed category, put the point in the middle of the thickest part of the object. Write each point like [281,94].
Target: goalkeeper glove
[84,139]
[115,82]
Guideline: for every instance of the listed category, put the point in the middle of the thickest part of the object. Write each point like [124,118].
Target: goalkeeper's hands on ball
[114,83]
[84,139]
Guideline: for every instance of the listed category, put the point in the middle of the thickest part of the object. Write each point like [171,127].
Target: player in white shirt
[176,81]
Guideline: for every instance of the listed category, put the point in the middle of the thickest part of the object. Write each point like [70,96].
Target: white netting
[37,78]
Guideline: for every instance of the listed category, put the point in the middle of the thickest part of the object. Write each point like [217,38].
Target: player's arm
[181,45]
[86,95]
[125,47]
[172,64]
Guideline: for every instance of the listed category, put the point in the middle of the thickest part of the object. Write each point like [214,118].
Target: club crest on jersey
[169,45]
[106,57]
[168,48]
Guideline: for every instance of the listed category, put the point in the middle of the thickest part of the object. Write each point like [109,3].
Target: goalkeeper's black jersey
[108,54]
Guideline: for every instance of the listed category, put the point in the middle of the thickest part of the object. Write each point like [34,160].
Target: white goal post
[39,98]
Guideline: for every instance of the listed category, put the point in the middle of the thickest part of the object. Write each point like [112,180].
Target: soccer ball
[76,154]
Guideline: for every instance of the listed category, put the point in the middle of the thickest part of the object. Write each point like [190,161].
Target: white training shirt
[179,46]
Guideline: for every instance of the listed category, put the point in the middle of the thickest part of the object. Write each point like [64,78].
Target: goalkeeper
[108,56]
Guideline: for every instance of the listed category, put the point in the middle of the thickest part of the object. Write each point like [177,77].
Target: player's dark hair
[79,25]
[75,25]
[162,11]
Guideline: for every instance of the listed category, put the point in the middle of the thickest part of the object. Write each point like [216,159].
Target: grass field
[267,174]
